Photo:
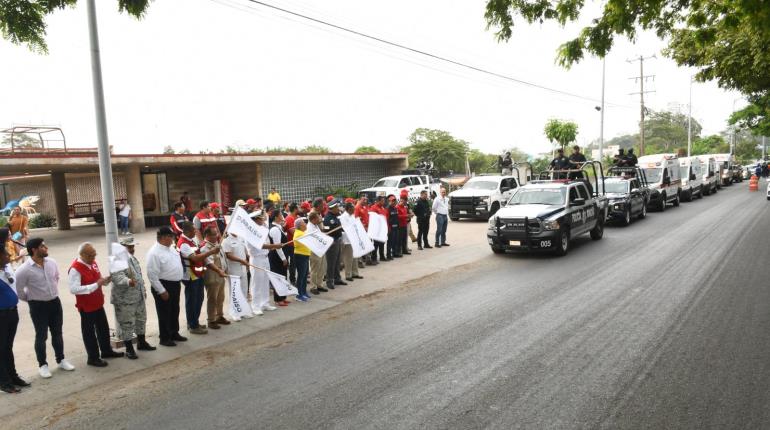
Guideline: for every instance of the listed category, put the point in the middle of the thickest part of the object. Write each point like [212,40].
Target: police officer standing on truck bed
[506,163]
[620,158]
[631,160]
[560,163]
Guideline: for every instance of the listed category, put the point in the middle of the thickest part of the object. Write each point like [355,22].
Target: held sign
[359,239]
[378,227]
[317,242]
[242,226]
[238,305]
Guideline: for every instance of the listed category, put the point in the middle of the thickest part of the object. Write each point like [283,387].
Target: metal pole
[105,165]
[641,92]
[601,130]
[689,123]
[764,149]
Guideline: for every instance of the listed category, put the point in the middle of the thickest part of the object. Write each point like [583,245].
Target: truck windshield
[386,183]
[539,196]
[480,185]
[620,187]
[653,174]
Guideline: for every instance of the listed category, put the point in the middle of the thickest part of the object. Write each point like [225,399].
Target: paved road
[663,324]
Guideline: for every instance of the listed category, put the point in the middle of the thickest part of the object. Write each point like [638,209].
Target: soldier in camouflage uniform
[128,294]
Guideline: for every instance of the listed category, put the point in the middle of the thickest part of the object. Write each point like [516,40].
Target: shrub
[344,191]
[42,220]
[3,221]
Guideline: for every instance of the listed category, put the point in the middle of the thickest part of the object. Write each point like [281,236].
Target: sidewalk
[468,244]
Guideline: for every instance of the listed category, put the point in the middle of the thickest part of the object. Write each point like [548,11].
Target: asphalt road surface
[662,324]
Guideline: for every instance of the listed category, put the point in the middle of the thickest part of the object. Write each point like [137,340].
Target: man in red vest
[194,262]
[203,219]
[86,282]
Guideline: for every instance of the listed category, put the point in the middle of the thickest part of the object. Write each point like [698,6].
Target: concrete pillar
[134,194]
[59,185]
[260,191]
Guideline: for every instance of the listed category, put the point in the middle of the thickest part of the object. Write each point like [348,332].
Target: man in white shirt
[441,209]
[237,265]
[164,270]
[260,283]
[124,216]
[350,263]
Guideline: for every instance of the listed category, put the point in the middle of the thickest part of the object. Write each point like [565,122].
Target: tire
[663,203]
[562,248]
[627,218]
[700,193]
[677,200]
[643,215]
[498,250]
[688,196]
[706,192]
[495,208]
[454,219]
[598,231]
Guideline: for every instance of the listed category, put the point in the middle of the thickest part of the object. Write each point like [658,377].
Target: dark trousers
[333,262]
[394,246]
[423,226]
[379,247]
[47,316]
[9,320]
[441,222]
[403,238]
[303,265]
[194,292]
[96,333]
[168,310]
[288,251]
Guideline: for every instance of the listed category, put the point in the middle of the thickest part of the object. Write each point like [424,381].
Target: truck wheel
[643,215]
[598,231]
[563,246]
[688,196]
[663,203]
[495,208]
[676,200]
[498,250]
[627,217]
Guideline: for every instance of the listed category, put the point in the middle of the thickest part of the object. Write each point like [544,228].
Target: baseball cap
[333,204]
[306,206]
[214,205]
[251,202]
[257,214]
[329,198]
[240,202]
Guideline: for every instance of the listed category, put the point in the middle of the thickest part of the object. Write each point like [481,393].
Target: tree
[438,146]
[316,149]
[666,132]
[714,144]
[23,21]
[367,150]
[725,39]
[564,132]
[168,149]
[21,140]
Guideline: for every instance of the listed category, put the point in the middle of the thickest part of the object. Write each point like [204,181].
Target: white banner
[359,240]
[378,227]
[317,241]
[242,226]
[238,305]
[118,259]
[281,285]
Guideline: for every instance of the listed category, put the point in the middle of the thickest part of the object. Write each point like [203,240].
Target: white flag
[238,305]
[118,259]
[359,240]
[378,227]
[281,285]
[317,241]
[242,226]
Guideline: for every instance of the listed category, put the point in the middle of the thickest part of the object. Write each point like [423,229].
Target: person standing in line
[260,283]
[9,321]
[124,216]
[178,218]
[317,264]
[332,228]
[216,213]
[279,263]
[128,294]
[37,283]
[394,243]
[379,247]
[187,202]
[362,213]
[422,211]
[350,263]
[288,226]
[194,261]
[165,270]
[403,225]
[214,280]
[237,265]
[441,209]
[203,219]
[86,282]
[302,255]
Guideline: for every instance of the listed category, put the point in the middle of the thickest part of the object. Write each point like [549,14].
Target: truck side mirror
[579,202]
[635,191]
[693,177]
[505,189]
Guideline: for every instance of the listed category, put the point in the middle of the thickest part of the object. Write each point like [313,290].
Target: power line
[427,54]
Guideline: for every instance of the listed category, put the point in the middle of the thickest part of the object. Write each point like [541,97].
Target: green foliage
[42,220]
[726,40]
[3,221]
[21,141]
[340,191]
[714,144]
[666,132]
[540,164]
[446,152]
[367,150]
[563,132]
[168,149]
[23,21]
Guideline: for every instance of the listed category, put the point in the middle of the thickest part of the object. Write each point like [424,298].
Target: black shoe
[349,279]
[142,345]
[398,256]
[98,362]
[428,247]
[330,287]
[444,244]
[323,290]
[408,253]
[168,343]
[112,354]
[358,277]
[19,382]
[420,248]
[340,282]
[437,246]
[130,353]
[315,291]
[178,338]
[10,389]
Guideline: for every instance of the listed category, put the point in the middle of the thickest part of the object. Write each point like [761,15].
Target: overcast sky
[203,74]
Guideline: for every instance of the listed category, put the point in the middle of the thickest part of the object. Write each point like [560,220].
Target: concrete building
[67,180]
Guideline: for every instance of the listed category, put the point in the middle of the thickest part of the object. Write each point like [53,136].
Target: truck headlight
[551,225]
[492,221]
[618,205]
[484,200]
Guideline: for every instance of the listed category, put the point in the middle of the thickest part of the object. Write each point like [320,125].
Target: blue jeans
[303,265]
[441,222]
[122,223]
[193,301]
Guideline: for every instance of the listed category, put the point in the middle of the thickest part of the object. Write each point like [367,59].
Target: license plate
[463,212]
[514,243]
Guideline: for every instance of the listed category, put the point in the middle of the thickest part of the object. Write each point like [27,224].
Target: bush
[343,191]
[42,220]
[3,221]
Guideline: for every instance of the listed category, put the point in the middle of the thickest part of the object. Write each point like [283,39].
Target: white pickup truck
[481,196]
[413,183]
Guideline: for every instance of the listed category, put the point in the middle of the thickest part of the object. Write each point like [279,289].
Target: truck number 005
[545,243]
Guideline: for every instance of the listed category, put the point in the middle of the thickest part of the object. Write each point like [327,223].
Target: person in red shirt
[203,219]
[178,218]
[187,202]
[379,247]
[403,222]
[288,250]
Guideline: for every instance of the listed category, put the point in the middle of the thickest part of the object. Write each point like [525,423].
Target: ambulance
[664,177]
[692,178]
[710,173]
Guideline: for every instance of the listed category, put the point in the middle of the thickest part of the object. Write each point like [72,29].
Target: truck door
[637,199]
[507,186]
[576,213]
[590,210]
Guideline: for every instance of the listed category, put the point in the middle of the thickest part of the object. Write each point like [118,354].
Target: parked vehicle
[726,161]
[710,174]
[627,193]
[663,176]
[692,178]
[481,196]
[414,183]
[737,173]
[545,215]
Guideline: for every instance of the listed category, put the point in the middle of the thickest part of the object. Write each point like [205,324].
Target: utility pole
[601,111]
[105,164]
[764,149]
[641,79]
[689,122]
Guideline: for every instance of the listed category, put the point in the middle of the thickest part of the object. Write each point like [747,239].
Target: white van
[726,161]
[710,174]
[662,172]
[690,169]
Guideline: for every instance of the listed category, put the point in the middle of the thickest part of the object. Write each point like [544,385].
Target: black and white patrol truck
[545,215]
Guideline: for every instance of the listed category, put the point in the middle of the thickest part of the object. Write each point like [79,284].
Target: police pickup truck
[628,194]
[484,195]
[545,215]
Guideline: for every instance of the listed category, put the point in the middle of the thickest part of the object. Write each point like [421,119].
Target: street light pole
[105,164]
[601,111]
[689,123]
